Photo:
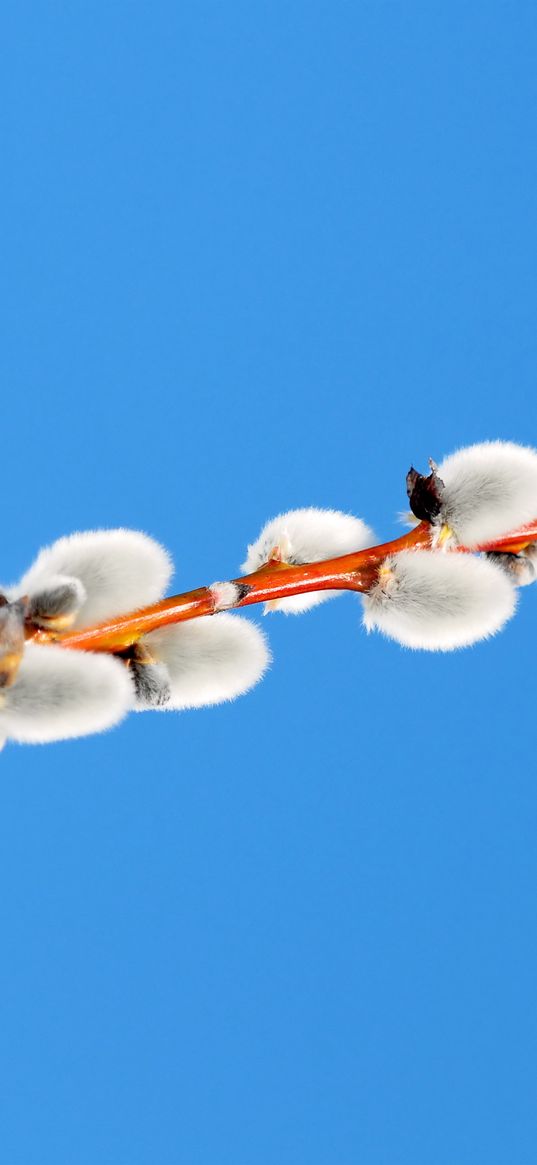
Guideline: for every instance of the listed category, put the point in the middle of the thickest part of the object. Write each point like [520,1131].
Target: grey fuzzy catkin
[489,490]
[307,535]
[209,660]
[120,570]
[59,694]
[429,600]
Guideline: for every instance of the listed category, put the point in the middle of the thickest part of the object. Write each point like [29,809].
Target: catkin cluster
[450,591]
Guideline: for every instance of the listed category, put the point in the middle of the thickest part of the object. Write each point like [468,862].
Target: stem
[276,580]
[124,630]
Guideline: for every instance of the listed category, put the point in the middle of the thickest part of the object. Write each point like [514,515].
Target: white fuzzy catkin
[120,571]
[209,660]
[437,602]
[60,694]
[302,536]
[490,490]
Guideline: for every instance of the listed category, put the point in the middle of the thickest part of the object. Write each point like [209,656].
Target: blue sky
[259,256]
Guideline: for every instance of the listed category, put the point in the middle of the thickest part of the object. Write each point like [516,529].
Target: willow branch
[276,580]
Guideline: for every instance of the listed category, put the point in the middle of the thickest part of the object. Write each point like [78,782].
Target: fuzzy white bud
[209,660]
[438,602]
[59,694]
[489,490]
[120,571]
[301,536]
[225,595]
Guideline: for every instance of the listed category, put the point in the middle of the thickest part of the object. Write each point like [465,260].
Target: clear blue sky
[259,256]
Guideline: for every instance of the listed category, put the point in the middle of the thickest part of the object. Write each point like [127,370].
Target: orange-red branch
[355,572]
[124,630]
[515,541]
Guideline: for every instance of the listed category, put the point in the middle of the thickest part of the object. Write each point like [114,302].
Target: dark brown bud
[424,493]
